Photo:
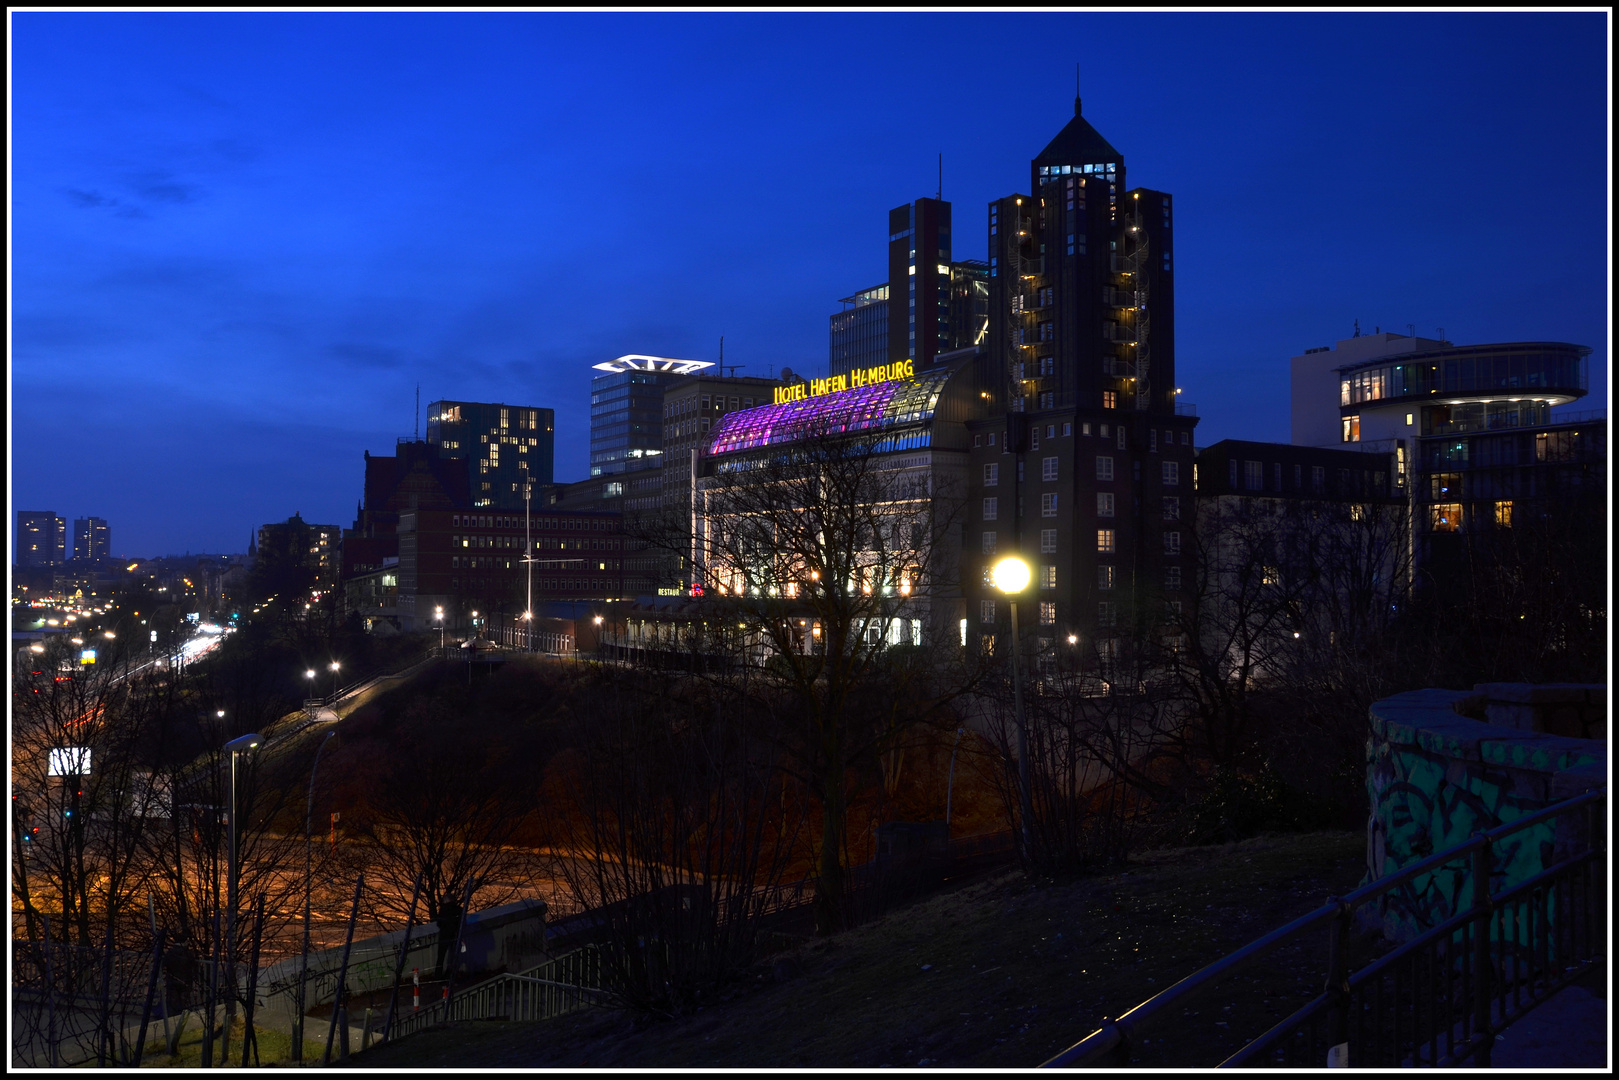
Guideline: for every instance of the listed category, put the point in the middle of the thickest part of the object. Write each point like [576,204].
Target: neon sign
[900,369]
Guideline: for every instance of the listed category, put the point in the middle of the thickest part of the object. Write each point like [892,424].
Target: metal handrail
[1115,1036]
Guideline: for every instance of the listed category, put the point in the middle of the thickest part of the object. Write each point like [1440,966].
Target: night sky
[240,240]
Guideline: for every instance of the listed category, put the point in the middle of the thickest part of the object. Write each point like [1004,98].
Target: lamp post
[236,746]
[1011,576]
[309,676]
[335,666]
[438,617]
[528,561]
[303,966]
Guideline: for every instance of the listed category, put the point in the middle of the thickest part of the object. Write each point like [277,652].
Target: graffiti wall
[1437,771]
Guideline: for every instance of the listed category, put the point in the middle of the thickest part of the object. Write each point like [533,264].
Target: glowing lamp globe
[1011,575]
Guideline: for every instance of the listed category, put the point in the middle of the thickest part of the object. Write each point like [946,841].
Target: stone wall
[1438,771]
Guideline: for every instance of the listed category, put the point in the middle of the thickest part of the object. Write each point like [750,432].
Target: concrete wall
[1437,771]
[509,937]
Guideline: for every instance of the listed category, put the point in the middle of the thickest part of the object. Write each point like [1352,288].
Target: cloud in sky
[240,239]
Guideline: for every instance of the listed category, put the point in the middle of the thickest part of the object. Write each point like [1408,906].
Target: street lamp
[438,617]
[236,746]
[335,666]
[303,967]
[1011,576]
[528,561]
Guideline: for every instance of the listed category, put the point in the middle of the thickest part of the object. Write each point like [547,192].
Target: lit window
[1048,613]
[1104,576]
[989,543]
[1410,419]
[1048,505]
[1172,473]
[1048,468]
[1104,540]
[1104,504]
[1110,400]
[1445,517]
[1048,541]
[1503,513]
[1104,468]
[991,508]
[1352,428]
[1048,577]
[1085,428]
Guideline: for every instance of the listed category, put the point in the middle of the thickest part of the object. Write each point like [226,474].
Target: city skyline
[241,240]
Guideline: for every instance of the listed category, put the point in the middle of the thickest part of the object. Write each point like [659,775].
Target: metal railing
[563,985]
[1440,998]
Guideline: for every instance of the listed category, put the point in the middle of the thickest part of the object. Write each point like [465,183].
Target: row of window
[1107,612]
[1106,541]
[549,524]
[706,403]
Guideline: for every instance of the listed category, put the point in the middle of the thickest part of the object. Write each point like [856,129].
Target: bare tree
[445,805]
[828,555]
[669,835]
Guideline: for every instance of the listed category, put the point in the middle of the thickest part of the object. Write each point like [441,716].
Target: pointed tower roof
[1078,143]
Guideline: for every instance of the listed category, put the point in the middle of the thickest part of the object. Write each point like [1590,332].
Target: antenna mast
[416,429]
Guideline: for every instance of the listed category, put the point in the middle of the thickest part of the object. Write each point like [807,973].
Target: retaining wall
[1439,770]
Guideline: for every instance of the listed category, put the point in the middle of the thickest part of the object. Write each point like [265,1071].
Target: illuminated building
[626,410]
[930,305]
[907,427]
[92,539]
[41,538]
[1475,443]
[1083,463]
[503,447]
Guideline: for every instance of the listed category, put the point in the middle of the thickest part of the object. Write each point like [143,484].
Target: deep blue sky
[240,240]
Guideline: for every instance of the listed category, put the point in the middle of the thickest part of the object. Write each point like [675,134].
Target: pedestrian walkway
[1569,1031]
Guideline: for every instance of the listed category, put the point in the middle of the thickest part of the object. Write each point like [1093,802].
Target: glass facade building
[860,331]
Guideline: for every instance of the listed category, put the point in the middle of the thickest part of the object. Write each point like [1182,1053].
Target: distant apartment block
[92,538]
[503,448]
[41,538]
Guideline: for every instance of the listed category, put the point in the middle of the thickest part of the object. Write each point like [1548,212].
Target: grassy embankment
[996,973]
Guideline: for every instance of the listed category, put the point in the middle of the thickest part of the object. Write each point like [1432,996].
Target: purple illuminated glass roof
[875,406]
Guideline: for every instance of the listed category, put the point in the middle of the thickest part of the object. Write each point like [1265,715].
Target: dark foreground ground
[995,974]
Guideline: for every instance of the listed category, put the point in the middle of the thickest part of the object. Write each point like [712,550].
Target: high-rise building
[1084,468]
[930,304]
[860,331]
[92,539]
[504,447]
[41,538]
[626,409]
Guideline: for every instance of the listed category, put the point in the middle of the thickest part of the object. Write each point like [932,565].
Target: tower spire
[1076,88]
